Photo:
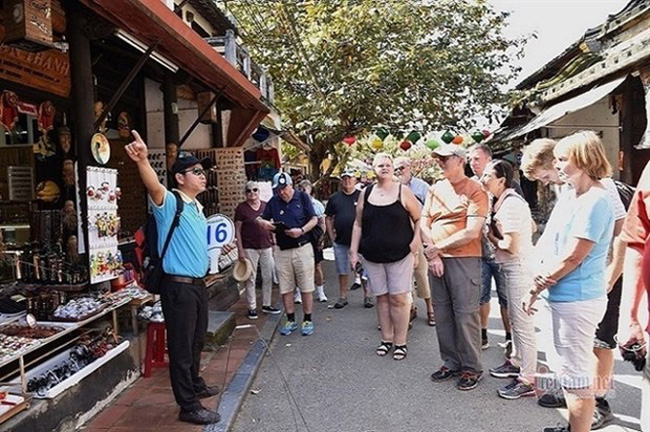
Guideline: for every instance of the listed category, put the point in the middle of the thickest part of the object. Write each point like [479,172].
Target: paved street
[339,384]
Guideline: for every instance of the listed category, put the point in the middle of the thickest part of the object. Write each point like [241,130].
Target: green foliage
[346,67]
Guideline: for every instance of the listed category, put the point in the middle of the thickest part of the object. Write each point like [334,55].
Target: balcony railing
[238,56]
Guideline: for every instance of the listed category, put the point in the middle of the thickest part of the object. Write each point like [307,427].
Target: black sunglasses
[398,169]
[252,190]
[196,171]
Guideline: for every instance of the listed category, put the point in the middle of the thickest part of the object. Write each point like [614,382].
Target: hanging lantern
[432,144]
[382,133]
[376,143]
[447,137]
[413,136]
[458,139]
[350,140]
[478,136]
[486,133]
[405,145]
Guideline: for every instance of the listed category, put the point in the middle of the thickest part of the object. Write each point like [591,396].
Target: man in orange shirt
[636,233]
[451,223]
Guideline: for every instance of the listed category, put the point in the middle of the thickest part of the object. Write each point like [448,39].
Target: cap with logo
[281,180]
[348,173]
[450,150]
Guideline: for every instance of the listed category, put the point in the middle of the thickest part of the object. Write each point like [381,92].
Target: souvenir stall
[62,273]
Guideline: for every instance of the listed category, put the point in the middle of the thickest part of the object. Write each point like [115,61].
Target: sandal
[384,348]
[432,319]
[400,352]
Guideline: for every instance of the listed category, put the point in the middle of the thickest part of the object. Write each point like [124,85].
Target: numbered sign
[221,231]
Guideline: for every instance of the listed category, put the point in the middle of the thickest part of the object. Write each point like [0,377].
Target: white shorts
[574,326]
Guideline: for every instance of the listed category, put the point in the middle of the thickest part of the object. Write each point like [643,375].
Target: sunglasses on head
[196,171]
[252,190]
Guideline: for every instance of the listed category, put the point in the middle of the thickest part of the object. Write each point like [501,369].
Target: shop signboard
[48,70]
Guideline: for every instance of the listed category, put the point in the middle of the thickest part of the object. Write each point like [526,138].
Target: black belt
[185,280]
[296,246]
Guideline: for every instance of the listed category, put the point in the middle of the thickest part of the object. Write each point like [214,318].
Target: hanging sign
[221,232]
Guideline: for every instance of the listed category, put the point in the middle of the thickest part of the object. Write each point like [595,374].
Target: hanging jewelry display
[102,194]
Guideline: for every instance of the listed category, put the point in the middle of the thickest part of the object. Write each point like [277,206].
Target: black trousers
[186,315]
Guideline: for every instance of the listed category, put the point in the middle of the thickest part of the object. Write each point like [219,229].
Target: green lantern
[477,136]
[447,137]
[413,136]
[382,133]
[432,144]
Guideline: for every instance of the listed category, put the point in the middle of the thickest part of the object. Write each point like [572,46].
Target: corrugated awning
[555,112]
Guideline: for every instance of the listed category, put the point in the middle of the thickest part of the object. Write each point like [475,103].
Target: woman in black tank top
[386,232]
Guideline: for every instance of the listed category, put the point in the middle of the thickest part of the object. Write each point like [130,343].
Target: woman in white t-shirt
[511,233]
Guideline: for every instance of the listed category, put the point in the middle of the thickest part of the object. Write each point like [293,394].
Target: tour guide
[183,293]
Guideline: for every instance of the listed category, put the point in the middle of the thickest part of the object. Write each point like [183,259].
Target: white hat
[243,270]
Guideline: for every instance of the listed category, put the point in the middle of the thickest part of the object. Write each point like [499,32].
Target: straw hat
[243,270]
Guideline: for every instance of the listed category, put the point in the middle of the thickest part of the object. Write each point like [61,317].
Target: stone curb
[233,397]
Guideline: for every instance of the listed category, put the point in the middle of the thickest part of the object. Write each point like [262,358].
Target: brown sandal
[432,319]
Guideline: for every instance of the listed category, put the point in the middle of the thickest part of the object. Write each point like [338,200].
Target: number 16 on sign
[221,231]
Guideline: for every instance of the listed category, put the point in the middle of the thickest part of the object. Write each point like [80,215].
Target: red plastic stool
[156,350]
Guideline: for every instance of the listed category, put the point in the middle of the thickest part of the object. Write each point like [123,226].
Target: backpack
[625,192]
[315,234]
[149,262]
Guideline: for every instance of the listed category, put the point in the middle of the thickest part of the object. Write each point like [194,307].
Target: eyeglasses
[252,190]
[196,171]
[399,169]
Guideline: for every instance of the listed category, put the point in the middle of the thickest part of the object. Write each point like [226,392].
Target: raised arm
[356,232]
[138,151]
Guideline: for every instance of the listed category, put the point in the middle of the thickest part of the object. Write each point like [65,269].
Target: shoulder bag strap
[177,219]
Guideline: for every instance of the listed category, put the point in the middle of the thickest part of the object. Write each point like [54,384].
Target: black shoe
[602,414]
[270,310]
[469,380]
[444,373]
[557,429]
[553,399]
[207,392]
[252,314]
[355,286]
[200,417]
[485,343]
[341,303]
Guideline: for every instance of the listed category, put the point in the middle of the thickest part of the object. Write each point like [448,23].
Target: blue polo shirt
[295,214]
[187,253]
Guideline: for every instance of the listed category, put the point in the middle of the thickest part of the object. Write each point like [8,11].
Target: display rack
[68,328]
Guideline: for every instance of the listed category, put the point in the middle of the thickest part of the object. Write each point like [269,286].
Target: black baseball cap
[186,160]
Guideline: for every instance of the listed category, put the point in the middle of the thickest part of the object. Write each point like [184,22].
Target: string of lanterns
[377,142]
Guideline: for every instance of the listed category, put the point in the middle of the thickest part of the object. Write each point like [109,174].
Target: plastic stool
[156,350]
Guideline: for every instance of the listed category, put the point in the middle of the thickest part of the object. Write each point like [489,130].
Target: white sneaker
[297,297]
[321,296]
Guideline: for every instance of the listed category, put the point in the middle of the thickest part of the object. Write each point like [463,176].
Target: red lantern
[350,140]
[405,145]
[457,139]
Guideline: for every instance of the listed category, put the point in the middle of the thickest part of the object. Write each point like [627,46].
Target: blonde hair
[381,156]
[586,151]
[538,154]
